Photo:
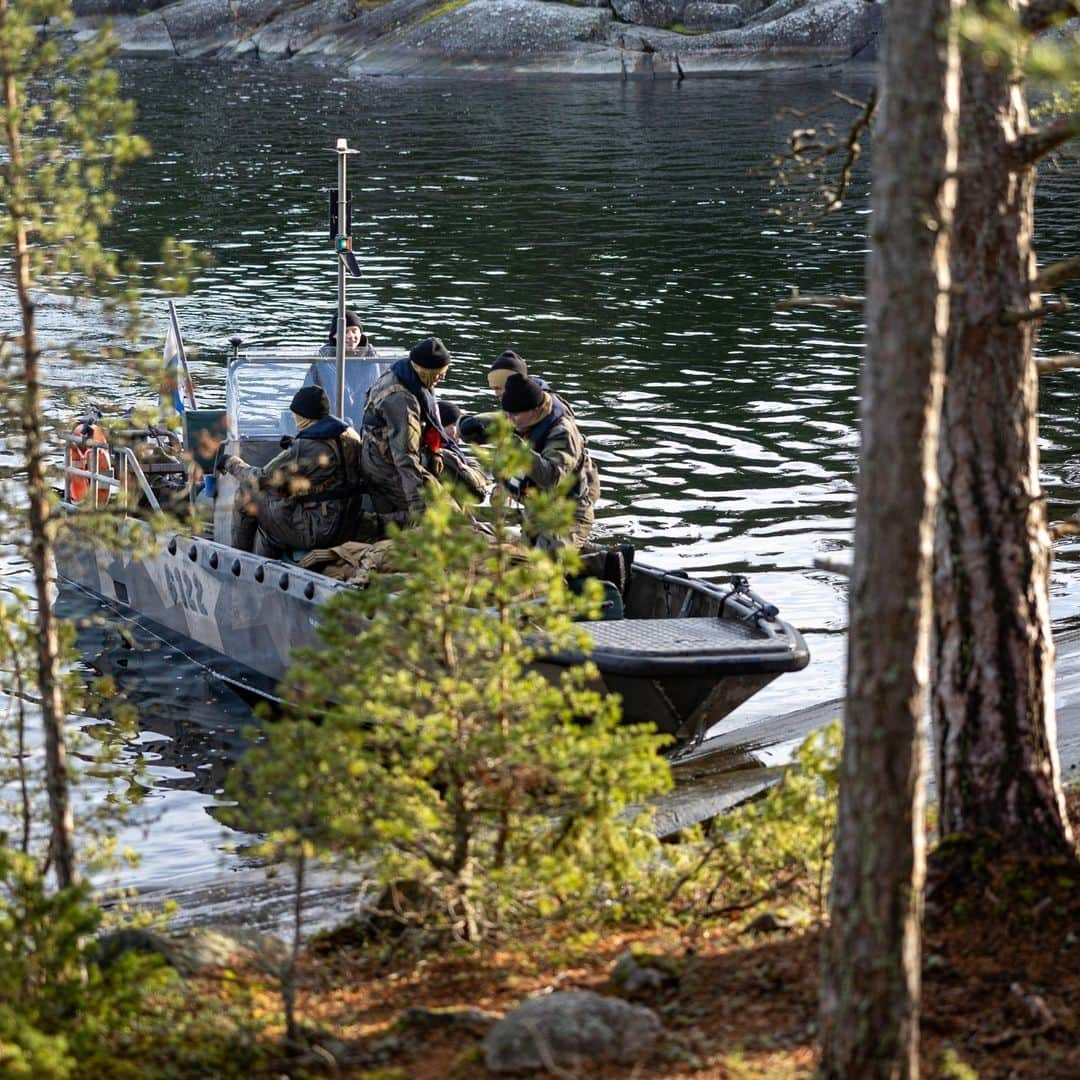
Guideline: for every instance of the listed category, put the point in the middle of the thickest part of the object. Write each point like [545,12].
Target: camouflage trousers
[584,519]
[271,526]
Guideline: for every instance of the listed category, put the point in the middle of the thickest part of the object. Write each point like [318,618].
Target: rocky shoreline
[651,39]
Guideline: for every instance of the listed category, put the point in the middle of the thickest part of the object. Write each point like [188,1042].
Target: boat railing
[736,600]
[124,472]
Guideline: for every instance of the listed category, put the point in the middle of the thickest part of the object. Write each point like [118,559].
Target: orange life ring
[79,486]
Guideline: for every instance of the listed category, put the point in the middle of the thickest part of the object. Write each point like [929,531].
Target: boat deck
[675,637]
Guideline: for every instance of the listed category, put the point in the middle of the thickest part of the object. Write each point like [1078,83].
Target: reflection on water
[619,237]
[191,727]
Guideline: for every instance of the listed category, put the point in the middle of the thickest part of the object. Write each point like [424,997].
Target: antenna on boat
[341,232]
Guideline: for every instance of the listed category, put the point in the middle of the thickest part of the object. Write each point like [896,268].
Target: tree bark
[871,970]
[53,714]
[993,701]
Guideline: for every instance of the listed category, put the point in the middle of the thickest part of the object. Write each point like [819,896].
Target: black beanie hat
[429,353]
[311,403]
[449,413]
[521,394]
[351,319]
[509,361]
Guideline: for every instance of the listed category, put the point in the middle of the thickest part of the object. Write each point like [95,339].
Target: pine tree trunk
[62,834]
[993,702]
[871,972]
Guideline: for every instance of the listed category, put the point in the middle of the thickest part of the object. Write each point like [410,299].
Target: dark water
[622,238]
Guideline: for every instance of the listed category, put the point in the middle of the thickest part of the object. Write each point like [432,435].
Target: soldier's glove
[285,442]
[436,464]
[472,429]
[518,487]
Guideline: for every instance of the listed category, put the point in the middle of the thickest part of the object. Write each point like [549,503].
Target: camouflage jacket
[309,493]
[392,457]
[557,450]
[460,470]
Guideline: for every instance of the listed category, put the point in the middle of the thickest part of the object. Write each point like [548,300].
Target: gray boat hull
[683,663]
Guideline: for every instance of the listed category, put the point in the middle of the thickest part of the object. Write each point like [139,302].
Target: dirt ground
[1001,991]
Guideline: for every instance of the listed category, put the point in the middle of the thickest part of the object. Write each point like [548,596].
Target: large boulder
[192,949]
[147,35]
[628,38]
[291,31]
[485,35]
[200,27]
[570,1028]
[704,15]
[828,24]
[771,12]
[648,12]
[368,27]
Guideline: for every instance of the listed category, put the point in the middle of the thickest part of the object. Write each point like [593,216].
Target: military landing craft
[683,654]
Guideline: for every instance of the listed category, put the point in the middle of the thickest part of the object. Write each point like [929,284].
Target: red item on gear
[432,440]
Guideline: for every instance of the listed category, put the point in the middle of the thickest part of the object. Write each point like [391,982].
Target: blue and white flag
[177,389]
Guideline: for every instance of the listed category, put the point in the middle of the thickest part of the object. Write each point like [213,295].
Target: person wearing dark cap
[559,454]
[458,466]
[506,364]
[476,426]
[356,341]
[449,415]
[359,376]
[309,495]
[403,437]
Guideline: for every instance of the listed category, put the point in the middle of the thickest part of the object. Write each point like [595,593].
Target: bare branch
[1047,365]
[1057,274]
[1028,148]
[1012,316]
[797,300]
[1039,15]
[838,563]
[821,107]
[1068,527]
[769,894]
[853,149]
[813,148]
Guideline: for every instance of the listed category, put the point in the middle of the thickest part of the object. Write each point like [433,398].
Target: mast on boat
[346,260]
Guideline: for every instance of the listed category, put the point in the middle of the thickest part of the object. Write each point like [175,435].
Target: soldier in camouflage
[309,495]
[476,427]
[405,445]
[558,450]
[458,467]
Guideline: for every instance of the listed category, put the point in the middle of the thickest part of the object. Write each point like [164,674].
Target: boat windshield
[260,388]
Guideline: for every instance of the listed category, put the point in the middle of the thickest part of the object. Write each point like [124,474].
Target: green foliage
[953,1067]
[55,1002]
[778,847]
[186,1032]
[996,35]
[65,137]
[422,736]
[68,136]
[1064,101]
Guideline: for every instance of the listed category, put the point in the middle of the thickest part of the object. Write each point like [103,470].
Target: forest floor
[1001,990]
